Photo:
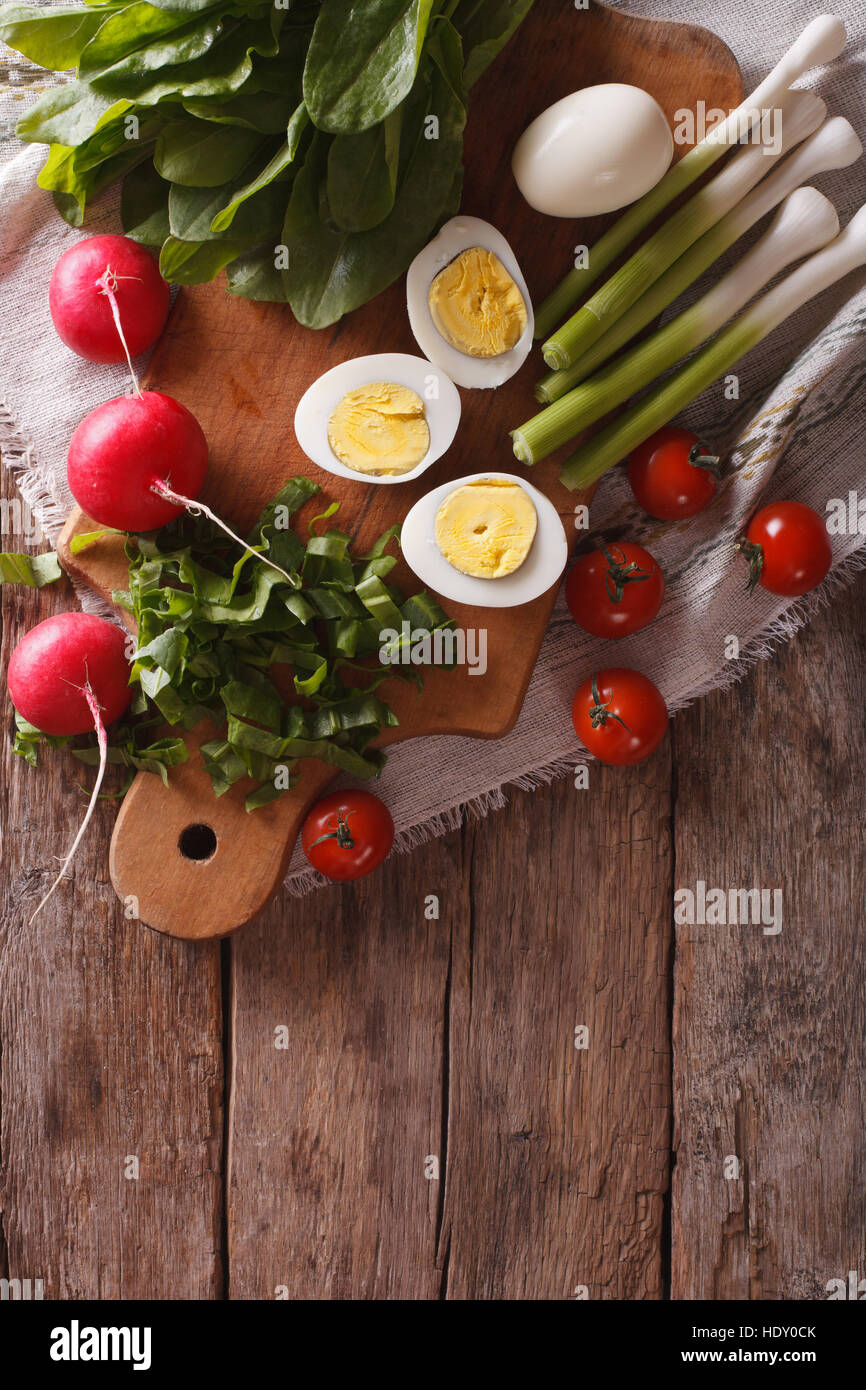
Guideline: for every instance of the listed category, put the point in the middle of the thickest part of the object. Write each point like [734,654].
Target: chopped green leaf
[212,628]
[28,740]
[33,570]
[85,539]
[225,638]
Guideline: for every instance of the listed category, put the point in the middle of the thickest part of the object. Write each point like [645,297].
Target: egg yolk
[380,428]
[476,305]
[486,528]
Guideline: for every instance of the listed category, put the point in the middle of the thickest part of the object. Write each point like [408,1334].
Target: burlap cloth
[796,431]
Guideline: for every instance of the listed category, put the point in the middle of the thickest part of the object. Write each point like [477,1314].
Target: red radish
[124,450]
[137,462]
[108,299]
[68,675]
[52,664]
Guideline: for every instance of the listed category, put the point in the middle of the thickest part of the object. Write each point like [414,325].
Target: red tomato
[788,548]
[347,834]
[672,474]
[619,715]
[615,590]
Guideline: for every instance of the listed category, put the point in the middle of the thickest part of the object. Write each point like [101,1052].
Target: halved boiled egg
[380,419]
[491,539]
[468,304]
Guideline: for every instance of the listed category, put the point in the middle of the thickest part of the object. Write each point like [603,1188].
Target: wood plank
[330,1130]
[455,1038]
[769,1029]
[110,1046]
[558,1156]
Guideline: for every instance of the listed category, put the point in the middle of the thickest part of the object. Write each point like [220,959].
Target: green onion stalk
[801,114]
[806,222]
[834,146]
[846,253]
[820,42]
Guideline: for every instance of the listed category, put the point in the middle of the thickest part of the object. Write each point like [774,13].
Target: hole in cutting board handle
[197,842]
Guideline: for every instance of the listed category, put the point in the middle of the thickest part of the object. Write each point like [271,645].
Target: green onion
[820,42]
[603,450]
[834,146]
[801,114]
[806,222]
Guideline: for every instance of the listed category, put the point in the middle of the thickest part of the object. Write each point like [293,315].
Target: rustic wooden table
[351,1100]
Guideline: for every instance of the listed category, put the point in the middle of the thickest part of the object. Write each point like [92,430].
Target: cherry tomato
[615,590]
[619,715]
[347,834]
[673,474]
[788,548]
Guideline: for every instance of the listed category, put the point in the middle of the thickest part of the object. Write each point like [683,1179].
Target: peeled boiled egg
[380,419]
[593,152]
[490,539]
[468,304]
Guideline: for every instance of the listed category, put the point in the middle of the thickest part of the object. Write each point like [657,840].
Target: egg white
[318,403]
[540,570]
[457,236]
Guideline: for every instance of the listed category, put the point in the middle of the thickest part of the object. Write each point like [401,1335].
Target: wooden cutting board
[241,368]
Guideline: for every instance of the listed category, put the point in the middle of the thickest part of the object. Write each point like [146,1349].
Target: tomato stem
[341,833]
[755,556]
[698,459]
[619,574]
[599,713]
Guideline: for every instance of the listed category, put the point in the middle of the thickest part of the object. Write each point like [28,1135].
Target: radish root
[102,740]
[199,509]
[107,283]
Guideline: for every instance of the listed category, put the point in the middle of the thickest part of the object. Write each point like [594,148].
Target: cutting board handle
[198,866]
